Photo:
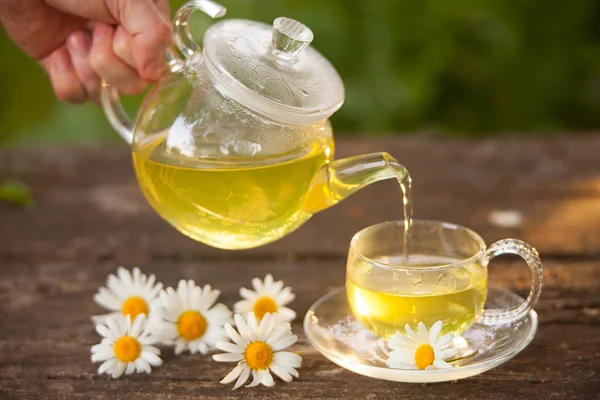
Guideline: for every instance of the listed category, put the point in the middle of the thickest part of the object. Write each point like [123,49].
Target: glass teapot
[233,146]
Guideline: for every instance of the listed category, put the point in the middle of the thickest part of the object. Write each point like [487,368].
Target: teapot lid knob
[289,38]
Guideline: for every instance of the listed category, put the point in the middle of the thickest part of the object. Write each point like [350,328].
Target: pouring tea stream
[233,146]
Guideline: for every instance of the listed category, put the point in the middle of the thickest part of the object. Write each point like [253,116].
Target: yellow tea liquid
[385,300]
[228,203]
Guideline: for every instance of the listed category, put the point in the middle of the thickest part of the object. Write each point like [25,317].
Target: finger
[143,19]
[122,45]
[110,67]
[65,82]
[165,9]
[151,34]
[79,45]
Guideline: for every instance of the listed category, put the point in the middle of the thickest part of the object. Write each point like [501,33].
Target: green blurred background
[460,67]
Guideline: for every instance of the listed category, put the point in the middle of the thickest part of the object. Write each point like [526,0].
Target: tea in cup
[442,276]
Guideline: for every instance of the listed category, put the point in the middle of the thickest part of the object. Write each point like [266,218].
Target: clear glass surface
[333,330]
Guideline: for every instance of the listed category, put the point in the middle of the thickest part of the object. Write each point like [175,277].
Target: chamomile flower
[189,319]
[268,296]
[257,348]
[126,347]
[421,350]
[127,294]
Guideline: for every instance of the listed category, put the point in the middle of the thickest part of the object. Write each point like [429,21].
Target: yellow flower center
[259,355]
[264,305]
[424,356]
[191,325]
[127,349]
[133,306]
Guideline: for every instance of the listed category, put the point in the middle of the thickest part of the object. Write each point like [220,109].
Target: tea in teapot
[233,146]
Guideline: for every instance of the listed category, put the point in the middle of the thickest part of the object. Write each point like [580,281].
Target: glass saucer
[332,329]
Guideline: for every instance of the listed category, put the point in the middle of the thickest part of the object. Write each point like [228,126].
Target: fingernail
[79,43]
[154,70]
[100,33]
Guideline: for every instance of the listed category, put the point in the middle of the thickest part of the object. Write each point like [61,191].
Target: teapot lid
[273,70]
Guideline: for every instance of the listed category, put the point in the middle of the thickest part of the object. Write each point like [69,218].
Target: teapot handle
[109,96]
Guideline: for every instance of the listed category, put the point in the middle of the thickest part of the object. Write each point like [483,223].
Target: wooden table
[90,217]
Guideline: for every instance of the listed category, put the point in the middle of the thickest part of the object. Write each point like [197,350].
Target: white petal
[151,349]
[243,306]
[103,355]
[265,378]
[152,358]
[411,334]
[232,375]
[228,357]
[281,372]
[257,285]
[138,325]
[117,286]
[235,336]
[118,371]
[107,299]
[201,345]
[277,334]
[108,366]
[242,327]
[265,326]
[435,331]
[137,275]
[445,354]
[284,342]
[400,341]
[288,359]
[130,368]
[398,364]
[440,364]
[219,314]
[101,319]
[115,325]
[248,294]
[180,346]
[444,340]
[229,347]
[104,331]
[268,280]
[142,365]
[287,313]
[423,334]
[243,378]
[209,297]
[125,276]
[255,378]
[252,326]
[274,289]
[285,296]
[406,355]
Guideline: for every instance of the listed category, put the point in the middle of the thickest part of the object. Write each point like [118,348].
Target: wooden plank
[89,206]
[45,334]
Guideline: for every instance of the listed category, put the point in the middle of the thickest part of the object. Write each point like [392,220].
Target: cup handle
[532,258]
[109,96]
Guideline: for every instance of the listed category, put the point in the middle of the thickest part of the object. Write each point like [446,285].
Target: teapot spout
[341,178]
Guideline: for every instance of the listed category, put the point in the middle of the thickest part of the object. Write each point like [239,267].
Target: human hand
[80,42]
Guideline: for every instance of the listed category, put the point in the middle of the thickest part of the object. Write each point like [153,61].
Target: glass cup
[441,276]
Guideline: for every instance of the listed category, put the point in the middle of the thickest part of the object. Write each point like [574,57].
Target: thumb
[144,20]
